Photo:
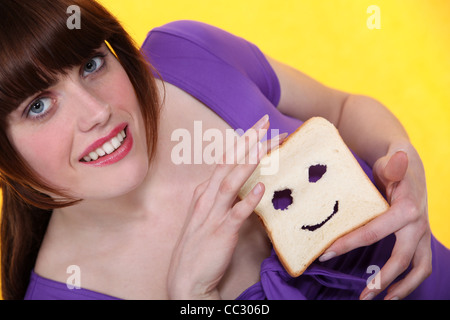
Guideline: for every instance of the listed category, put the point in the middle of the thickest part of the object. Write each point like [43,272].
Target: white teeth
[100,152]
[115,143]
[107,148]
[93,156]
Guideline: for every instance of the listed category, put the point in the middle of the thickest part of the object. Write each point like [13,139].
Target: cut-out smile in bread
[318,225]
[319,193]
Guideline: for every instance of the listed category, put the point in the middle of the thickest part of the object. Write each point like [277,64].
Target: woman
[88,179]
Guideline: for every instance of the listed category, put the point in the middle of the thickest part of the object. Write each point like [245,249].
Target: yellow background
[405,64]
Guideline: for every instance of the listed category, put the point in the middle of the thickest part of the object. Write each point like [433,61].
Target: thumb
[390,169]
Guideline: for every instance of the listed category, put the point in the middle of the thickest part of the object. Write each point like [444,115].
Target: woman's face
[85,135]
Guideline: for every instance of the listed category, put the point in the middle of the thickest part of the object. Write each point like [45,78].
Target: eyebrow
[50,79]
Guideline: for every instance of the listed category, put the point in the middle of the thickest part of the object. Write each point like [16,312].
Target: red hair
[37,46]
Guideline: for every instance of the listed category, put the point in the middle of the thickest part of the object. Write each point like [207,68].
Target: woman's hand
[209,237]
[369,129]
[402,176]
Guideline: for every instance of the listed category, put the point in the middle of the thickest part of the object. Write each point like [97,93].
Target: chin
[128,180]
[112,182]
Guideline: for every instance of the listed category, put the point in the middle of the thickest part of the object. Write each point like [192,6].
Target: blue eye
[92,66]
[39,107]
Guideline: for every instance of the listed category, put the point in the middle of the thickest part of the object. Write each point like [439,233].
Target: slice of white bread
[342,199]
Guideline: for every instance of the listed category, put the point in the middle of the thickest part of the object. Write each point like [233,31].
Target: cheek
[122,96]
[46,151]
[117,88]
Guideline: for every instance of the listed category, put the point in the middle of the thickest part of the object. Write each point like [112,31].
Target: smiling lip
[111,157]
[317,226]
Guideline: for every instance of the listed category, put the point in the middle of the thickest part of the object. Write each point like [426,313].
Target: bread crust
[383,205]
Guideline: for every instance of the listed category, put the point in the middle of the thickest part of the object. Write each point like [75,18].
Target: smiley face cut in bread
[317,194]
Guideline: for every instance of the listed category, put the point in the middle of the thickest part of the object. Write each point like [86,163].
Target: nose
[91,111]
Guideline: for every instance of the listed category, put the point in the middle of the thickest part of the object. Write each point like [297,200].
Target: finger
[235,154]
[239,150]
[402,254]
[422,267]
[244,208]
[199,190]
[200,205]
[390,169]
[396,167]
[275,141]
[375,230]
[207,196]
[232,183]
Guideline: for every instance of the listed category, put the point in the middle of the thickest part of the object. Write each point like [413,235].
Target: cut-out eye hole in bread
[318,194]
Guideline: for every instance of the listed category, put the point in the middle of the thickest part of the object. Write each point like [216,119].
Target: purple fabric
[41,288]
[345,277]
[233,78]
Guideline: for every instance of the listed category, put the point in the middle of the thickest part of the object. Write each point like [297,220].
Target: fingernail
[261,122]
[395,298]
[258,189]
[369,296]
[327,256]
[280,137]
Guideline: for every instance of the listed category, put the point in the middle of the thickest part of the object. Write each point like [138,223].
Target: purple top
[233,78]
